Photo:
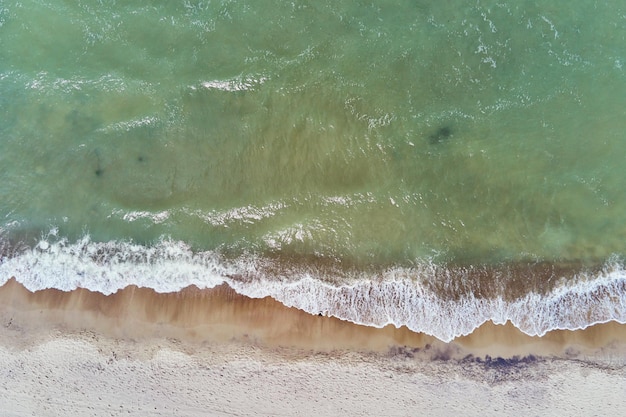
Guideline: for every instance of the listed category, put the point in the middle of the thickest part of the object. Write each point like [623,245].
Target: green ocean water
[369,133]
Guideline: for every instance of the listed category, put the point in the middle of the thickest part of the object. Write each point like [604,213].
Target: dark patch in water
[80,123]
[99,170]
[140,158]
[441,135]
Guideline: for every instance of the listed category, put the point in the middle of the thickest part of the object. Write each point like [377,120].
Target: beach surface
[312,208]
[214,352]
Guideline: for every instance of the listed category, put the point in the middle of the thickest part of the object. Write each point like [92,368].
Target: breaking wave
[395,295]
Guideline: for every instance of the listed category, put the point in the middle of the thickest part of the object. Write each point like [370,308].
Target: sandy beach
[214,352]
[228,208]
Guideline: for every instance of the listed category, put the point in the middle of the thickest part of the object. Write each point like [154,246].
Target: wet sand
[214,352]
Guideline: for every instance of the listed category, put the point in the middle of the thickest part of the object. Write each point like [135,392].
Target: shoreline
[445,301]
[215,352]
[221,315]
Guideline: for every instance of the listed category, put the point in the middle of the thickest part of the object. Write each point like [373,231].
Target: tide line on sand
[221,315]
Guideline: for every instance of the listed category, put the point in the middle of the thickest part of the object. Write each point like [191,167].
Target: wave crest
[398,296]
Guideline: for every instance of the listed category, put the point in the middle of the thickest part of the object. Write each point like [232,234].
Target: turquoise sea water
[434,164]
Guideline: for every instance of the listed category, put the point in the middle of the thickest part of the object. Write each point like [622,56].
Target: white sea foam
[131,216]
[397,296]
[128,125]
[245,214]
[234,84]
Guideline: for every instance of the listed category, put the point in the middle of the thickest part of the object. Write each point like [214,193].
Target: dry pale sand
[213,352]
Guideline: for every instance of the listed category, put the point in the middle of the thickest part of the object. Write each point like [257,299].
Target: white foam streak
[244,214]
[108,267]
[234,84]
[397,296]
[156,218]
[406,302]
[129,125]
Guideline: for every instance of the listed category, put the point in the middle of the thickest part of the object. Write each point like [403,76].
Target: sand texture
[215,353]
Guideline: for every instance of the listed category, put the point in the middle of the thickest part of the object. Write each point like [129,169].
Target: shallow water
[470,151]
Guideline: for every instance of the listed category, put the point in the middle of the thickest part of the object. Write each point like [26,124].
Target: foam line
[397,296]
